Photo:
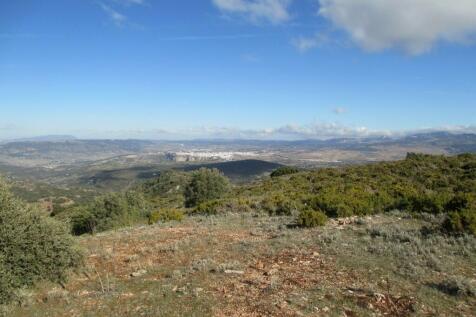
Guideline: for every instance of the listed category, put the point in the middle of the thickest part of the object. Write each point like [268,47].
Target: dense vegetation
[32,247]
[419,184]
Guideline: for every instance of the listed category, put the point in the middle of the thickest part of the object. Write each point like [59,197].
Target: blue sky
[236,68]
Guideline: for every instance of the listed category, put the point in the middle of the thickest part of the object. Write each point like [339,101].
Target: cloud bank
[414,26]
[317,131]
[290,132]
[273,11]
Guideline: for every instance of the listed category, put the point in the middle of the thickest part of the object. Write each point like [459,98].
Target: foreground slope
[254,265]
[246,252]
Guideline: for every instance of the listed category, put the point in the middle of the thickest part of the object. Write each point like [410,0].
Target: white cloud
[414,26]
[287,132]
[117,18]
[325,131]
[320,130]
[274,11]
[304,44]
[315,131]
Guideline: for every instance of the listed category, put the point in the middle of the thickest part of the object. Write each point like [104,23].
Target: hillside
[238,171]
[244,170]
[254,265]
[419,184]
[381,239]
[61,152]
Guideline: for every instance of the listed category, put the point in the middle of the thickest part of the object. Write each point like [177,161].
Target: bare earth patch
[241,265]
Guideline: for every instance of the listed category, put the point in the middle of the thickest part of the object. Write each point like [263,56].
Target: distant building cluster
[193,156]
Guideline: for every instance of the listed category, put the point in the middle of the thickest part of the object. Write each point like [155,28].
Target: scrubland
[384,239]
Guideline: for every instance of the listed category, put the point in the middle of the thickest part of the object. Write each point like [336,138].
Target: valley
[67,164]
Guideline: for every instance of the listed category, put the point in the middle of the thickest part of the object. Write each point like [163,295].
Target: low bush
[431,204]
[242,205]
[309,218]
[32,247]
[333,205]
[165,215]
[110,211]
[460,222]
[215,207]
[212,207]
[279,205]
[461,201]
[461,214]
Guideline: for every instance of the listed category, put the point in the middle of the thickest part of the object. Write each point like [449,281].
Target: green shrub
[165,215]
[32,247]
[460,202]
[285,170]
[83,220]
[212,207]
[168,182]
[419,184]
[309,218]
[215,207]
[431,204]
[285,208]
[460,222]
[333,205]
[279,205]
[242,205]
[110,211]
[206,184]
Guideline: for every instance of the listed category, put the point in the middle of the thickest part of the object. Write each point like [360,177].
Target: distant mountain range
[43,138]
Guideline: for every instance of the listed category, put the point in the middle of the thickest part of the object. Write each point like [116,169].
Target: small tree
[110,211]
[32,247]
[206,184]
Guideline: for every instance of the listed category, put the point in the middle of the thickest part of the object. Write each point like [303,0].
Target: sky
[267,69]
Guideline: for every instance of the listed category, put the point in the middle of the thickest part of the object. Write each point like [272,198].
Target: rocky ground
[255,265]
